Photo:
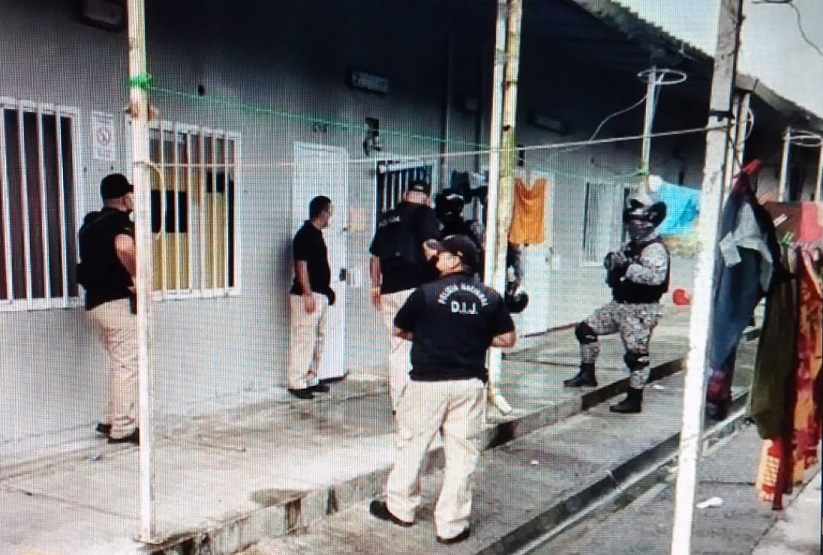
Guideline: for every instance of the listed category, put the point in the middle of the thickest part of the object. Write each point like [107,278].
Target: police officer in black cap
[451,323]
[107,272]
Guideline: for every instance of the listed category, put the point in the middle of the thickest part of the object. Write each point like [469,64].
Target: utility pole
[502,160]
[717,145]
[139,84]
[648,119]
[784,164]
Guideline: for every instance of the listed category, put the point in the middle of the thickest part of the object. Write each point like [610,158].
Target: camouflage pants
[635,323]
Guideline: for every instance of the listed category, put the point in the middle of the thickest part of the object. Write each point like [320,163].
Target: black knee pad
[636,360]
[585,334]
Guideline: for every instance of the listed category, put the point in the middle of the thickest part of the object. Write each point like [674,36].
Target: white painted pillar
[501,165]
[138,97]
[725,65]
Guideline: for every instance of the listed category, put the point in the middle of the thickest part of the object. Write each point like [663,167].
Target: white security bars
[193,210]
[38,250]
[393,179]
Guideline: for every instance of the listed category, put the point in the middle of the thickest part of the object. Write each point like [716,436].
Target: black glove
[331,296]
[616,261]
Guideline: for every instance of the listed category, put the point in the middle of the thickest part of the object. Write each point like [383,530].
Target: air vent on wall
[106,14]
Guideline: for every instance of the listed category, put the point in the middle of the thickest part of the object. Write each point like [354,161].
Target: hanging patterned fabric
[786,458]
[528,215]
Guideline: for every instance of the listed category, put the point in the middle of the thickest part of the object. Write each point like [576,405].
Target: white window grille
[194,210]
[38,250]
[393,179]
[602,220]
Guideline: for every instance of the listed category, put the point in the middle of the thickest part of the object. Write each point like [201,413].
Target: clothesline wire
[458,154]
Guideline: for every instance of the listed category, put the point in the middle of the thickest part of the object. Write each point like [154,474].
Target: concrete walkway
[798,528]
[276,466]
[738,523]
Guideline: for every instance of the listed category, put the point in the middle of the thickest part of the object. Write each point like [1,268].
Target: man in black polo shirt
[398,264]
[309,299]
[451,323]
[106,272]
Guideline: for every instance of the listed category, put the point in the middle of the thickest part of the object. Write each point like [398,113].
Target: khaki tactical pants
[399,349]
[455,409]
[307,335]
[119,330]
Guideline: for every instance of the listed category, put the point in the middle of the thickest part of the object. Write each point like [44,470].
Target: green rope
[143,81]
[146,82]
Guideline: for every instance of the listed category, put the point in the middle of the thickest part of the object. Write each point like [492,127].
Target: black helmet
[448,204]
[516,302]
[641,208]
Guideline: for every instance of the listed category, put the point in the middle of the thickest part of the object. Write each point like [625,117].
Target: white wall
[254,70]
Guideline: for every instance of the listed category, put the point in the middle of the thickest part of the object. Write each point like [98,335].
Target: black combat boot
[584,378]
[632,404]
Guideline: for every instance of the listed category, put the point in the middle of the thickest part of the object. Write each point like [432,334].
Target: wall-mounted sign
[368,82]
[104,146]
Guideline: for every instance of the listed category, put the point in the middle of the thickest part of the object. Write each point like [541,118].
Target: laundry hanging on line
[682,208]
[527,225]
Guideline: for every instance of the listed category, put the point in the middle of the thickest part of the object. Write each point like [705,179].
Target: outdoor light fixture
[368,82]
[372,141]
[548,123]
[107,14]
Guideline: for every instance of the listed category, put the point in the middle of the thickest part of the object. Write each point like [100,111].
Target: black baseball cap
[461,246]
[420,186]
[115,185]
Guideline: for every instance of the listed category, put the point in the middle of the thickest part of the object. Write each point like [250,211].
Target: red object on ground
[680,297]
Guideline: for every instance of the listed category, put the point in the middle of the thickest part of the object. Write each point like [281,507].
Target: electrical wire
[604,121]
[802,31]
[799,18]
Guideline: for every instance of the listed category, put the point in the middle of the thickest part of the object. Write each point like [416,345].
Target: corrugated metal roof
[667,47]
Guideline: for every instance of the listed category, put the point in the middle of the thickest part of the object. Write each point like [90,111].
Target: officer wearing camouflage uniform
[639,275]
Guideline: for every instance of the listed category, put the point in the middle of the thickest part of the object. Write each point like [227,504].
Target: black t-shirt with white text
[398,275]
[453,320]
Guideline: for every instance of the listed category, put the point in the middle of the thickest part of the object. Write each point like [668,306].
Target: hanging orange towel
[527,218]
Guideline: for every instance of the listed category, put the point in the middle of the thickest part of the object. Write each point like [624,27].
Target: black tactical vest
[625,291]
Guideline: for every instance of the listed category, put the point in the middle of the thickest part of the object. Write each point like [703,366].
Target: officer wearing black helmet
[639,275]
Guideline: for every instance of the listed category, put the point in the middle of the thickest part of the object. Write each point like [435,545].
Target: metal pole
[819,174]
[736,148]
[725,65]
[784,164]
[138,96]
[448,109]
[495,128]
[504,109]
[648,120]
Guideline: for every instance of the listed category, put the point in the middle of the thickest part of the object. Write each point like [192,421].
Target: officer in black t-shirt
[451,323]
[399,263]
[106,271]
[309,299]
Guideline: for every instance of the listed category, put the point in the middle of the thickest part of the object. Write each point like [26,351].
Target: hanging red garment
[527,217]
[785,460]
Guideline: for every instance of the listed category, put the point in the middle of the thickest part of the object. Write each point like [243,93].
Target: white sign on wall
[104,146]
